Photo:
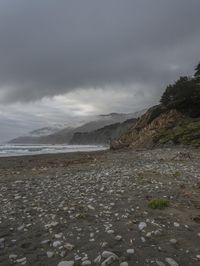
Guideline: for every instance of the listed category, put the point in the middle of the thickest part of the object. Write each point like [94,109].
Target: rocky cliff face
[160,127]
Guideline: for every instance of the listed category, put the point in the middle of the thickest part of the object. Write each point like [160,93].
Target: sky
[62,62]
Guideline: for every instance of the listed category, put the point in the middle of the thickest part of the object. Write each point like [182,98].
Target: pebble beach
[93,208]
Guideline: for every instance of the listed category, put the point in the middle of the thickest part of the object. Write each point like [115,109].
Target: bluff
[161,127]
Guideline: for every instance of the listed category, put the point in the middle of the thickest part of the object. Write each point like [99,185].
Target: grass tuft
[158,203]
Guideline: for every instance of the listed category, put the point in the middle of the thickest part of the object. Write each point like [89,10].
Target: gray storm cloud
[50,48]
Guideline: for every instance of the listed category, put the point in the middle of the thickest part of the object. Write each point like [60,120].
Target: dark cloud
[53,47]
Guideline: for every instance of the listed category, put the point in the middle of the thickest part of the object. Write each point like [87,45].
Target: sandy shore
[73,209]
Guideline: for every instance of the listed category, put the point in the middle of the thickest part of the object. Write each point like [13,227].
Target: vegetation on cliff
[174,121]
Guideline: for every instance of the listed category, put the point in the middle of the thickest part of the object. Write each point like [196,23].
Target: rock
[97,260]
[130,251]
[66,263]
[110,232]
[60,235]
[12,256]
[77,258]
[85,258]
[62,253]
[124,263]
[173,241]
[142,225]
[90,207]
[104,244]
[171,262]
[118,238]
[50,254]
[69,246]
[21,227]
[176,224]
[157,232]
[22,260]
[160,263]
[86,262]
[107,254]
[109,260]
[45,241]
[56,244]
[198,257]
[148,234]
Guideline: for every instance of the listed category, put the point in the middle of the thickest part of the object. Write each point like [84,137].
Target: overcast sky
[61,61]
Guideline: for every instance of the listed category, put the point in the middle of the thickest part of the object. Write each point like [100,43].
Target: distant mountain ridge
[45,131]
[69,134]
[103,135]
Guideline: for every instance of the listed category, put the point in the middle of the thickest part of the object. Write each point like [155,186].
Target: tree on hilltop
[197,71]
[184,95]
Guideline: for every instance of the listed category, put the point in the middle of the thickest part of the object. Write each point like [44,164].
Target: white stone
[97,260]
[77,257]
[148,234]
[12,256]
[171,262]
[176,224]
[86,262]
[50,254]
[66,263]
[118,238]
[90,207]
[21,260]
[45,241]
[56,244]
[69,246]
[107,254]
[142,225]
[157,232]
[124,263]
[110,232]
[130,251]
[173,241]
[160,263]
[60,235]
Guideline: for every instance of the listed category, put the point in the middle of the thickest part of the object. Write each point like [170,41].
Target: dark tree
[183,95]
[197,71]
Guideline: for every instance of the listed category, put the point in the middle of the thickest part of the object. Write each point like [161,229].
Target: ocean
[20,150]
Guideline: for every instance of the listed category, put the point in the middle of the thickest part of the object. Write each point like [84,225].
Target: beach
[79,207]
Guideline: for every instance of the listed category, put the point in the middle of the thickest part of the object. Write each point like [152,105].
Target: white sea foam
[19,150]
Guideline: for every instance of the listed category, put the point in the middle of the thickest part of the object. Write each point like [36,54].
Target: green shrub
[158,203]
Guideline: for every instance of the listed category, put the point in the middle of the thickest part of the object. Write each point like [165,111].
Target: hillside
[158,127]
[103,135]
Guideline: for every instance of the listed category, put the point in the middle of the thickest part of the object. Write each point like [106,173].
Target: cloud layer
[61,61]
[53,47]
